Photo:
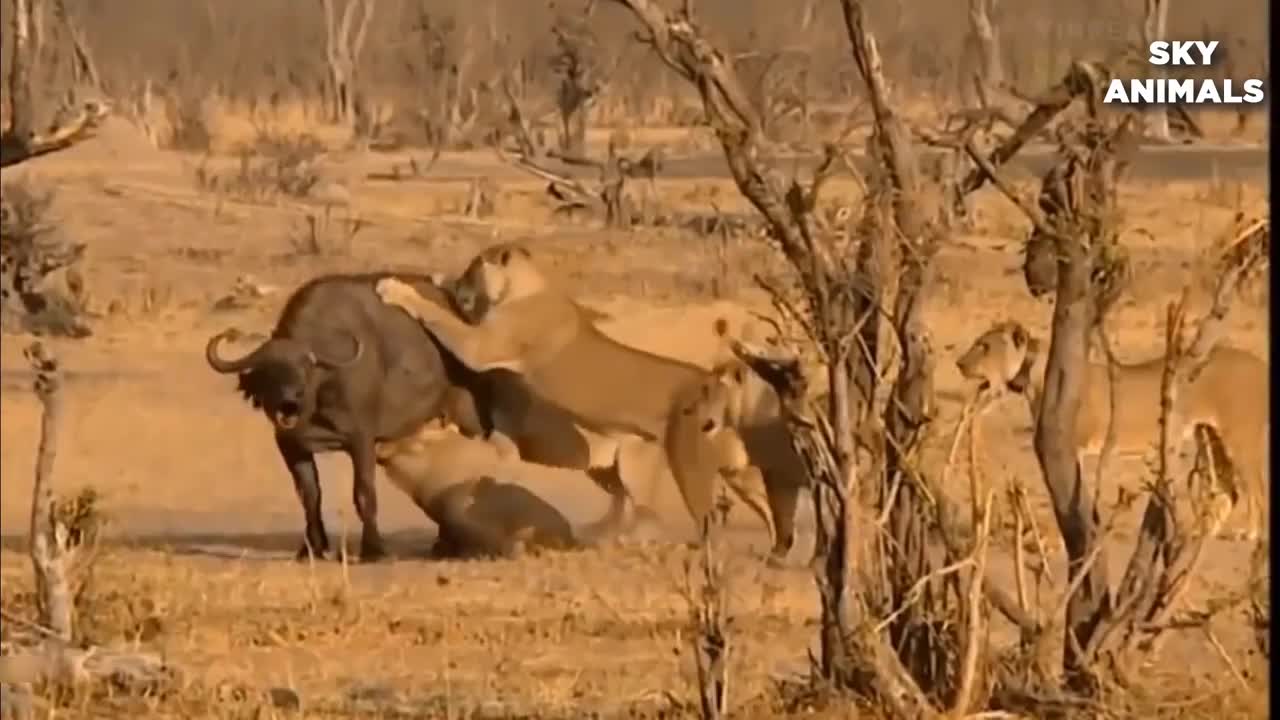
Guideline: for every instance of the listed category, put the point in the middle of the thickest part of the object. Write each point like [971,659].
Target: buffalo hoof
[373,553]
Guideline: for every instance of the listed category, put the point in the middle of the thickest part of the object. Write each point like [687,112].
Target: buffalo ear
[323,354]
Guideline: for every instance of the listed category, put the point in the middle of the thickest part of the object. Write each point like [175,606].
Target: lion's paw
[393,291]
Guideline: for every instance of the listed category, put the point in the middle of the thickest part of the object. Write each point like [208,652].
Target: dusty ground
[203,511]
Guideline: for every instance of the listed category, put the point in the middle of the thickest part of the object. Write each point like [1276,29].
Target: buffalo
[342,371]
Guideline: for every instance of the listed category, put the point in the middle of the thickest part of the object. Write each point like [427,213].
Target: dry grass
[539,637]
[182,465]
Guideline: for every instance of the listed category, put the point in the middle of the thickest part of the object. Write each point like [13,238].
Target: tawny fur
[1229,395]
[539,332]
[452,479]
[552,347]
[704,448]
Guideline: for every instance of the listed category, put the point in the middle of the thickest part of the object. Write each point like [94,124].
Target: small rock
[285,698]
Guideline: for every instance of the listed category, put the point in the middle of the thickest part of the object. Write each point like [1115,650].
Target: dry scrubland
[201,234]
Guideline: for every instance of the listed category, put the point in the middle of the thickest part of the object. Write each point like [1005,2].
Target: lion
[522,323]
[764,435]
[451,478]
[1228,396]
[541,335]
[703,445]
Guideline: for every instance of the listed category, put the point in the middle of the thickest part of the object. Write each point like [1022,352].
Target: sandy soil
[203,509]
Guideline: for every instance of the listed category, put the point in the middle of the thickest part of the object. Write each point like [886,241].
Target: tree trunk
[20,142]
[48,551]
[987,72]
[1155,27]
[1073,506]
[21,120]
[343,42]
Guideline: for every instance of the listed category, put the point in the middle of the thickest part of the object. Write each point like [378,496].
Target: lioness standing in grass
[1229,395]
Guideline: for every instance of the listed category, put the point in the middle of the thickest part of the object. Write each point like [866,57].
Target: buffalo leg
[365,494]
[306,481]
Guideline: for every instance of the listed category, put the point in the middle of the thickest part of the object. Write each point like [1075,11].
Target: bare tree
[982,82]
[52,556]
[48,549]
[29,250]
[20,141]
[84,69]
[344,41]
[878,590]
[890,626]
[1108,631]
[577,62]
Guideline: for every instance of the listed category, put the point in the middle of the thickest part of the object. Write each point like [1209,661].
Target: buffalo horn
[223,365]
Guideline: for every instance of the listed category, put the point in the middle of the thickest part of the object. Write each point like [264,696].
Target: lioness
[525,324]
[451,479]
[703,446]
[765,437]
[542,335]
[1228,395]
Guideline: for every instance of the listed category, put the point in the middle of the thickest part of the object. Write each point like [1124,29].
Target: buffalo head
[282,375]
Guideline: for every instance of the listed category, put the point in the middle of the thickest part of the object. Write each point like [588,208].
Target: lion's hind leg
[1244,480]
[1224,490]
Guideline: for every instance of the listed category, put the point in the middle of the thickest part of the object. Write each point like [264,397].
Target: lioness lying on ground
[1229,396]
[526,325]
[451,478]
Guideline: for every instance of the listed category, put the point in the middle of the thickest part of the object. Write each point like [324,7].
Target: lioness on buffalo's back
[524,324]
[1229,396]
